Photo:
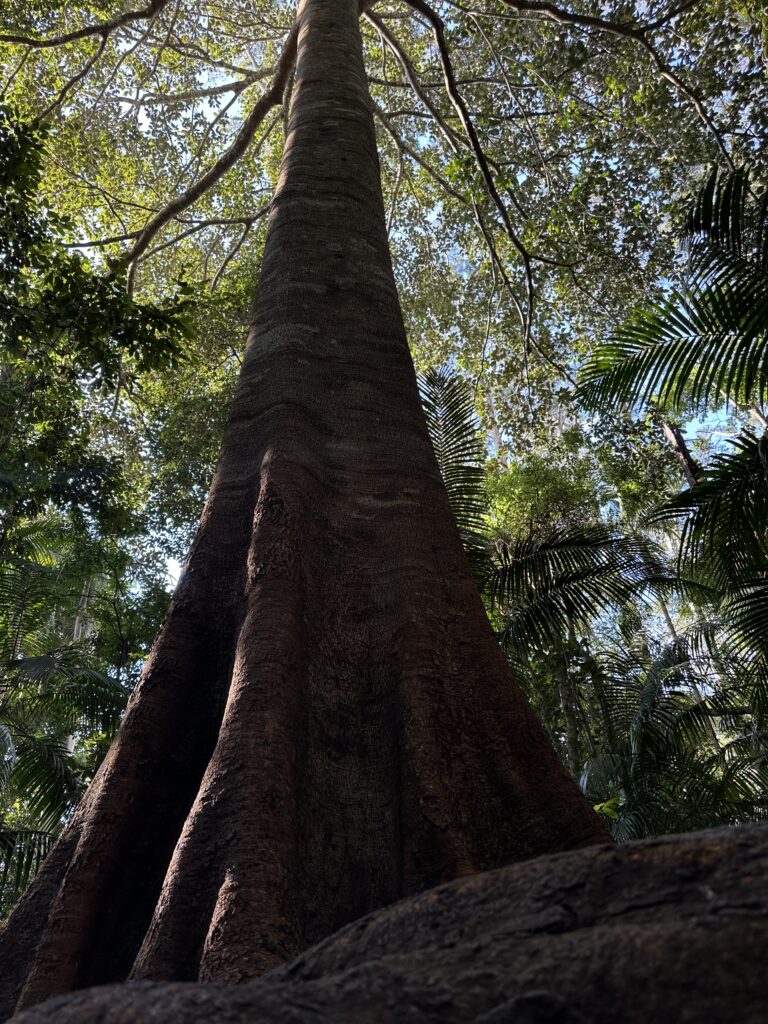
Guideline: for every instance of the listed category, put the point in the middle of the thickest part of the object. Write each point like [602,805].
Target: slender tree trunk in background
[688,465]
[78,628]
[568,708]
[79,625]
[498,444]
[569,703]
[694,685]
[326,723]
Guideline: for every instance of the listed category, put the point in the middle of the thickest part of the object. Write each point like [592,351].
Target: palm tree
[49,695]
[676,754]
[706,343]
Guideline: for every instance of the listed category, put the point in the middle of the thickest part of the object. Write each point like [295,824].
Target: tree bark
[325,723]
[669,930]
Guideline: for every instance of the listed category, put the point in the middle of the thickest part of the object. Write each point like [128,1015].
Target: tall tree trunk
[688,465]
[325,723]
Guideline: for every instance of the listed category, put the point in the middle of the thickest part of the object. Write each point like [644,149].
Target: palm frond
[449,410]
[746,608]
[708,340]
[725,218]
[724,515]
[44,771]
[460,452]
[22,851]
[568,576]
[672,764]
[82,698]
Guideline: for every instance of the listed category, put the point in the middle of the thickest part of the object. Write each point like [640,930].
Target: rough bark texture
[326,723]
[671,930]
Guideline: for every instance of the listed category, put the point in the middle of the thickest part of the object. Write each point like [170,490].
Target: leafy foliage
[51,302]
[694,749]
[70,505]
[49,694]
[679,757]
[725,515]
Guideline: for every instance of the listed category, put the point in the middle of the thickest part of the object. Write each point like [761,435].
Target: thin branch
[194,160]
[511,92]
[480,159]
[98,242]
[198,225]
[208,222]
[636,34]
[395,193]
[670,15]
[488,321]
[417,158]
[154,99]
[496,259]
[12,77]
[124,55]
[231,254]
[75,78]
[413,79]
[189,49]
[104,28]
[160,50]
[271,98]
[475,80]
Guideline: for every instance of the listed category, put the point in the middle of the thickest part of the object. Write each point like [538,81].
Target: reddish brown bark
[326,722]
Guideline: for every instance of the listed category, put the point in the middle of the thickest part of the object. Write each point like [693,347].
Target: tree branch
[72,82]
[406,150]
[104,28]
[638,35]
[480,159]
[413,79]
[271,98]
[152,99]
[208,222]
[232,253]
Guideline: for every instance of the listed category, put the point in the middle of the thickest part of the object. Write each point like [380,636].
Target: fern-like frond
[708,340]
[449,410]
[725,515]
[45,773]
[460,452]
[22,851]
[568,576]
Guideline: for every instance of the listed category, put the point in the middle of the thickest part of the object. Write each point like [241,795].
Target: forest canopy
[576,207]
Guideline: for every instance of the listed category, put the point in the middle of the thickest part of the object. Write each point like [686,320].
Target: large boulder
[673,929]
